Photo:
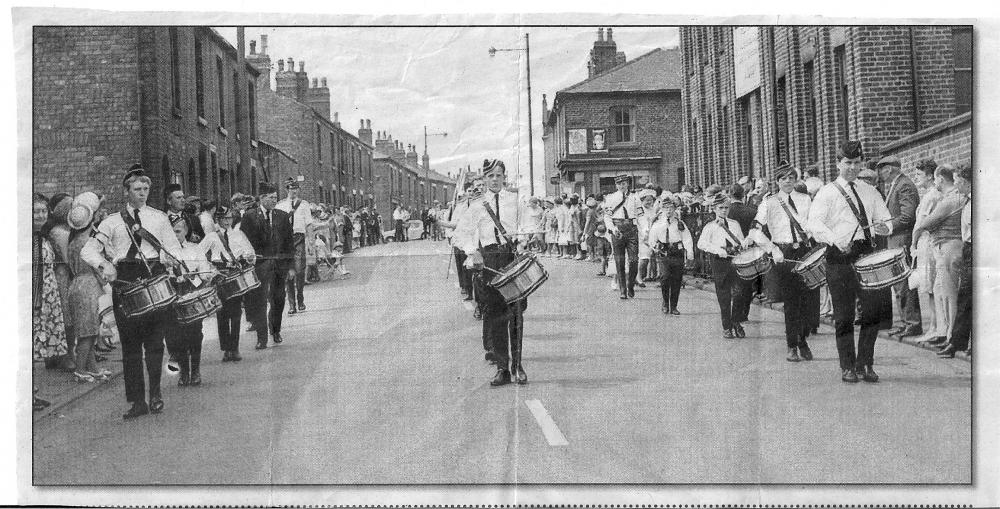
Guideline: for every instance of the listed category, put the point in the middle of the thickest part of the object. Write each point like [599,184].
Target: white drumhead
[749,255]
[880,256]
[815,255]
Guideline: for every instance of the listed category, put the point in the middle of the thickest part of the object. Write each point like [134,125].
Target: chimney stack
[336,119]
[600,34]
[263,44]
[609,35]
[315,83]
[302,63]
[281,65]
[322,82]
[253,47]
[365,134]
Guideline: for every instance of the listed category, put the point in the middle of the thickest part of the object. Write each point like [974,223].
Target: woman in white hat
[85,290]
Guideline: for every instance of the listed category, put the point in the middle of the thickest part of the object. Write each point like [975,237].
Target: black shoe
[276,337]
[491,357]
[640,284]
[804,351]
[138,409]
[793,355]
[520,376]
[674,311]
[251,328]
[666,310]
[895,331]
[477,314]
[195,377]
[227,356]
[155,405]
[738,330]
[631,292]
[948,352]
[623,296]
[183,380]
[938,341]
[849,376]
[728,334]
[602,273]
[302,308]
[913,330]
[291,310]
[869,375]
[467,297]
[501,378]
[260,345]
[235,356]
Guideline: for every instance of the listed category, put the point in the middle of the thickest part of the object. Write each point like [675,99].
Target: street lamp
[427,167]
[531,155]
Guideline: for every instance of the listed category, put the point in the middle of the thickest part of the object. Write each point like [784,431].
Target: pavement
[382,381]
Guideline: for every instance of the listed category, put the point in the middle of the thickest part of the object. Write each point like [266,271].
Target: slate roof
[660,69]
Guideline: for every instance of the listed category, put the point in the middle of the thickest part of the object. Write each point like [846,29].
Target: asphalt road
[383,381]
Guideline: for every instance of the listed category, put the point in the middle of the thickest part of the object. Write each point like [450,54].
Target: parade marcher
[269,231]
[944,223]
[673,247]
[141,244]
[502,323]
[184,340]
[847,215]
[227,248]
[744,215]
[207,220]
[901,198]
[961,330]
[623,210]
[175,201]
[647,197]
[300,214]
[455,236]
[464,235]
[722,238]
[785,215]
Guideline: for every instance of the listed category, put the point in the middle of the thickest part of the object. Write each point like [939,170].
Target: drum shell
[238,283]
[883,274]
[197,305]
[813,274]
[755,268]
[520,279]
[147,296]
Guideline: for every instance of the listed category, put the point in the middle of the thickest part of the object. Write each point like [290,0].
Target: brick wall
[949,142]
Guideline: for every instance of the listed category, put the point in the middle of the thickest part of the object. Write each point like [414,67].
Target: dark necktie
[134,250]
[625,205]
[795,233]
[864,216]
[496,199]
[225,241]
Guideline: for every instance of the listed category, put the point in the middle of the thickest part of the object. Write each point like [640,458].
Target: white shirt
[213,248]
[113,237]
[668,231]
[772,214]
[483,229]
[301,218]
[714,238]
[207,222]
[967,222]
[833,222]
[397,215]
[194,259]
[632,208]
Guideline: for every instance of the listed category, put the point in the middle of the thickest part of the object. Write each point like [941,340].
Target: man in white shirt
[722,238]
[300,213]
[456,235]
[490,245]
[130,239]
[785,216]
[847,214]
[624,209]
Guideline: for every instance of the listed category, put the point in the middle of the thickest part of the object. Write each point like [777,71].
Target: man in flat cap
[269,231]
[300,214]
[847,214]
[624,209]
[902,198]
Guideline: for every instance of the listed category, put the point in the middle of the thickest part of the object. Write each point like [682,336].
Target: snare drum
[197,305]
[520,278]
[237,283]
[882,269]
[812,268]
[146,296]
[752,263]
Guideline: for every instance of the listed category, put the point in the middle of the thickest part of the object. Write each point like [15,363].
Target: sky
[405,78]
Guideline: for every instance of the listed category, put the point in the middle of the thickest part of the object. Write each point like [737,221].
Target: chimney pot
[368,123]
[362,124]
[609,34]
[281,66]
[335,115]
[302,65]
[323,82]
[253,47]
[600,34]
[315,83]
[291,64]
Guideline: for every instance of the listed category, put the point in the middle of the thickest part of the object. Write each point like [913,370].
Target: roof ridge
[613,69]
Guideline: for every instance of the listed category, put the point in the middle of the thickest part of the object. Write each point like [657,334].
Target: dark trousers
[728,289]
[271,290]
[141,337]
[961,329]
[464,274]
[348,242]
[793,294]
[184,343]
[399,231]
[228,320]
[671,271]
[294,285]
[848,297]
[502,323]
[626,243]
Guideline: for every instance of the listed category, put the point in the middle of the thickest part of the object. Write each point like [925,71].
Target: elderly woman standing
[85,289]
[48,328]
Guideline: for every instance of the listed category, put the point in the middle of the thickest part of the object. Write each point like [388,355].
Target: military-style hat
[493,164]
[266,188]
[135,170]
[784,168]
[291,183]
[850,149]
[623,177]
[222,212]
[720,199]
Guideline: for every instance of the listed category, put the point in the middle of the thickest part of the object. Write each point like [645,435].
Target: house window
[199,79]
[962,49]
[623,124]
[220,74]
[175,67]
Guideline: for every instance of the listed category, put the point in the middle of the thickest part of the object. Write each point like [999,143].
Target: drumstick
[872,225]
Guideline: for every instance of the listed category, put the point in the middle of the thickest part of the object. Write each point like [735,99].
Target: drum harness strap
[496,222]
[797,229]
[730,233]
[855,211]
[144,234]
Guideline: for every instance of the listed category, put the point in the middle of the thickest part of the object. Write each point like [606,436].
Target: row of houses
[196,111]
[733,101]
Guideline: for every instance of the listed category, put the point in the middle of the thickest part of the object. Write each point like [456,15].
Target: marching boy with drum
[722,238]
[785,216]
[141,245]
[231,253]
[847,214]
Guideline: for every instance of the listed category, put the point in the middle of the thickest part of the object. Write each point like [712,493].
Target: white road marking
[549,428]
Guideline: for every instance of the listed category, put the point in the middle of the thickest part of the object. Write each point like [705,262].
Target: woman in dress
[57,232]
[48,330]
[84,292]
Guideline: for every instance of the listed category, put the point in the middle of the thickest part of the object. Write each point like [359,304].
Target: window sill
[177,112]
[202,121]
[223,131]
